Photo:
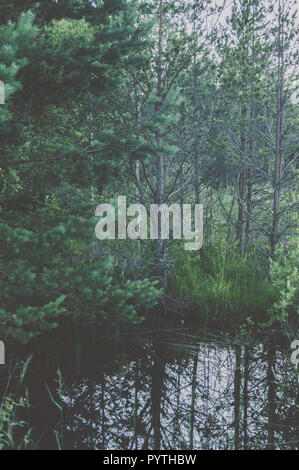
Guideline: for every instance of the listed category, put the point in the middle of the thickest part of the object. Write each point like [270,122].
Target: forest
[133,342]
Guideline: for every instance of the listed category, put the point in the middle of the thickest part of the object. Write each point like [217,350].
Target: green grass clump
[222,285]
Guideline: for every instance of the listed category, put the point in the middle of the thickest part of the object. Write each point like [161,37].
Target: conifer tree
[52,69]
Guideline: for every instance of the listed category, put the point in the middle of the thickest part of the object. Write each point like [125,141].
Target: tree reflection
[175,392]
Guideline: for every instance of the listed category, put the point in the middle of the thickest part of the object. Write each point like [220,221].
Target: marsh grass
[223,285]
[15,432]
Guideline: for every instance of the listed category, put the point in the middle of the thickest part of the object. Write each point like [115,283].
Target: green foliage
[57,64]
[285,276]
[46,278]
[12,38]
[91,88]
[9,423]
[224,286]
[15,433]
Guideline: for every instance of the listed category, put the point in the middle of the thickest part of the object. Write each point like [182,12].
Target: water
[168,390]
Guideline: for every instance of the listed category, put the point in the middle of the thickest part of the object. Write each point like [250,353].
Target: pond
[166,389]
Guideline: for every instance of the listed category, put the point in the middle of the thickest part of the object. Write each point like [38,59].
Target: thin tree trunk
[103,417]
[176,427]
[135,411]
[279,136]
[157,389]
[249,180]
[237,397]
[196,176]
[193,397]
[271,395]
[245,397]
[241,186]
[158,244]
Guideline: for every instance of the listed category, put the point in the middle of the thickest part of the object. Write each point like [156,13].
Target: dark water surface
[169,389]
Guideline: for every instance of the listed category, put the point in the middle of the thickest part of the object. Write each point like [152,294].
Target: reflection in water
[179,392]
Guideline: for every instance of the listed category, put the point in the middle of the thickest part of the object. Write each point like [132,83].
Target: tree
[50,270]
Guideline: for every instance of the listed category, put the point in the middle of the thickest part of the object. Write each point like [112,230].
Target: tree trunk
[157,389]
[271,395]
[196,177]
[193,396]
[237,397]
[245,397]
[159,244]
[241,186]
[278,136]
